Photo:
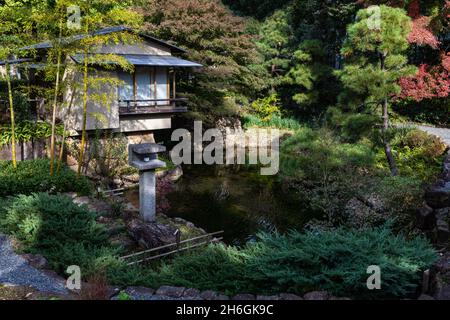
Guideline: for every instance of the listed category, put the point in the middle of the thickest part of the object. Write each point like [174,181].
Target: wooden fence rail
[142,255]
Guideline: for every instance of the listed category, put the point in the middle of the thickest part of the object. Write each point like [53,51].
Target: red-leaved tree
[430,81]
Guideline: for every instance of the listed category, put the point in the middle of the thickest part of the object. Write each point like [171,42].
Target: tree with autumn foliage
[431,81]
[218,40]
[430,25]
[376,60]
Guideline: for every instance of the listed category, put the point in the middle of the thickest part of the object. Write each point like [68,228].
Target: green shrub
[63,232]
[300,262]
[266,108]
[27,130]
[401,196]
[67,234]
[352,127]
[419,155]
[33,176]
[275,121]
[323,171]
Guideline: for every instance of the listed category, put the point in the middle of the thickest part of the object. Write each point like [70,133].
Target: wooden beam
[154,84]
[168,84]
[134,87]
[174,84]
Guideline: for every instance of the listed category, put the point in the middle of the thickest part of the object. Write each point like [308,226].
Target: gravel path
[15,270]
[443,133]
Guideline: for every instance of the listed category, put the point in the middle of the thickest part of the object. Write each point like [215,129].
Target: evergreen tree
[314,85]
[375,60]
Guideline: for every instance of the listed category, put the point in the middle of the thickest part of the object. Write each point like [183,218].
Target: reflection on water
[235,199]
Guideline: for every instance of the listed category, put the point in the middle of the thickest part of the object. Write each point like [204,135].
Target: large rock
[243,296]
[317,295]
[443,293]
[438,196]
[442,231]
[169,291]
[139,293]
[172,175]
[440,277]
[425,218]
[212,295]
[36,260]
[151,234]
[268,298]
[191,293]
[443,214]
[289,296]
[425,297]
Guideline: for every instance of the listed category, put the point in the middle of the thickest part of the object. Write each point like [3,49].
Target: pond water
[235,199]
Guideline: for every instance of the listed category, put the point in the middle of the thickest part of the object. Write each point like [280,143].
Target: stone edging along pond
[434,219]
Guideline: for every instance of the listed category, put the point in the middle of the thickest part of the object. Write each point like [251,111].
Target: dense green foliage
[419,155]
[327,173]
[215,38]
[32,176]
[266,108]
[278,122]
[255,8]
[27,130]
[301,262]
[52,225]
[276,64]
[435,111]
[375,55]
[68,234]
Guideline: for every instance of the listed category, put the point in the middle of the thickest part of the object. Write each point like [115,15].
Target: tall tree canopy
[215,38]
[255,8]
[375,59]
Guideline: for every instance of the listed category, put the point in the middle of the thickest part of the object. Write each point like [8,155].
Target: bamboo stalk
[13,122]
[85,89]
[55,101]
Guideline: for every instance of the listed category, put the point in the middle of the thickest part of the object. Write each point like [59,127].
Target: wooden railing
[149,105]
[178,246]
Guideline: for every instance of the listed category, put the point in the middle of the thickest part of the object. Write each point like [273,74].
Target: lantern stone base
[147,195]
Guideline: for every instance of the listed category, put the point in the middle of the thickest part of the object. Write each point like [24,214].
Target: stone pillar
[147,195]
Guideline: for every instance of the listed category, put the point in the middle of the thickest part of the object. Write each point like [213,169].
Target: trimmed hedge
[33,176]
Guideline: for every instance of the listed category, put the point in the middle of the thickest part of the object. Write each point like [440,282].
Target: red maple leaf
[428,83]
[421,33]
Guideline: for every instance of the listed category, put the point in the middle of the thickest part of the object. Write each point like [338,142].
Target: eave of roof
[15,61]
[148,60]
[48,44]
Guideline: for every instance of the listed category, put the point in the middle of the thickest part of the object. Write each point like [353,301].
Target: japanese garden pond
[235,199]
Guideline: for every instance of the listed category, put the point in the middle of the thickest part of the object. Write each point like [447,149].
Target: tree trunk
[13,122]
[83,132]
[63,138]
[387,148]
[85,96]
[55,100]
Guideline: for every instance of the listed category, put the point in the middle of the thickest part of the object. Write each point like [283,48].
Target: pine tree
[376,60]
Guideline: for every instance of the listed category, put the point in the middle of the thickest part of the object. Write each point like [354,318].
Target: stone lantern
[144,157]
